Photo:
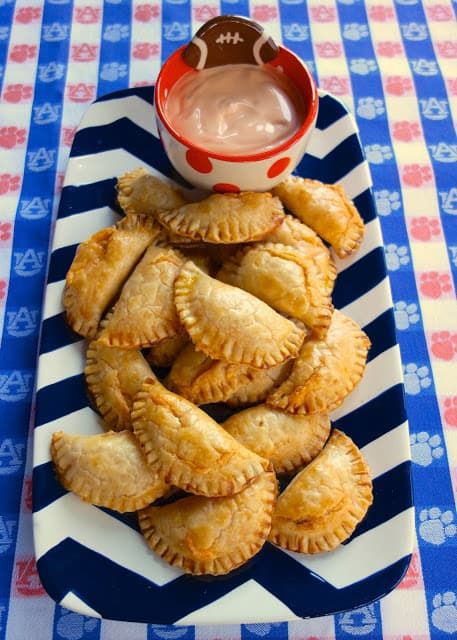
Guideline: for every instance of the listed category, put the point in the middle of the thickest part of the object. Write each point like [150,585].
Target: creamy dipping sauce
[236,109]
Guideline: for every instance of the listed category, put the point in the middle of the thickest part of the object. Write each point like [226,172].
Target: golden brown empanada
[187,447]
[286,278]
[138,191]
[100,267]
[145,312]
[198,378]
[297,234]
[229,324]
[259,384]
[326,209]
[113,378]
[212,535]
[164,353]
[108,470]
[225,218]
[324,503]
[288,442]
[326,371]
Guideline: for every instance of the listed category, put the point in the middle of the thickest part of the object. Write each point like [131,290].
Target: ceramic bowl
[218,172]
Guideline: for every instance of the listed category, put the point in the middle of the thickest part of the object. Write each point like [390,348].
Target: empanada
[187,447]
[288,442]
[259,384]
[326,209]
[286,278]
[229,324]
[145,312]
[140,192]
[225,218]
[164,353]
[212,535]
[324,503]
[198,378]
[297,234]
[100,267]
[108,470]
[113,378]
[326,371]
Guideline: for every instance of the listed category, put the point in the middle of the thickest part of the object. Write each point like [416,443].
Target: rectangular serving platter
[95,561]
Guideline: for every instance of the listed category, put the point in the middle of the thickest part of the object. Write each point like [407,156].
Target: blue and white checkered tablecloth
[394,63]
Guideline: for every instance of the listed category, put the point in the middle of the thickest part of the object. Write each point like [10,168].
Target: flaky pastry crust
[100,267]
[113,378]
[326,370]
[229,324]
[324,503]
[145,312]
[189,449]
[212,535]
[108,470]
[287,441]
[286,278]
[225,218]
[138,191]
[326,209]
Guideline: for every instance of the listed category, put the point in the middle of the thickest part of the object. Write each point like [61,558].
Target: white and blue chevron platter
[95,561]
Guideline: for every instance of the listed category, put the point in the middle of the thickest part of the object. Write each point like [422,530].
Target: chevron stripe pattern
[94,561]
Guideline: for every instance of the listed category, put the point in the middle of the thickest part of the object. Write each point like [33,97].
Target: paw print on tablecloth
[416,378]
[387,202]
[450,411]
[396,257]
[444,614]
[405,315]
[112,71]
[415,175]
[444,345]
[436,526]
[355,31]
[9,183]
[379,13]
[11,137]
[425,229]
[425,448]
[434,284]
[168,633]
[73,626]
[406,131]
[116,32]
[3,289]
[262,630]
[389,49]
[17,92]
[378,153]
[398,85]
[5,231]
[363,66]
[369,108]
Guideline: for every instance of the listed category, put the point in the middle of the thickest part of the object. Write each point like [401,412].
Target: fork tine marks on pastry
[187,447]
[145,312]
[324,503]
[225,218]
[100,268]
[140,192]
[212,535]
[229,324]
[114,376]
[286,278]
[326,209]
[288,441]
[108,470]
[326,370]
[198,378]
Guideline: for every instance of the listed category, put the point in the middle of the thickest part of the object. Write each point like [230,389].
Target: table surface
[394,64]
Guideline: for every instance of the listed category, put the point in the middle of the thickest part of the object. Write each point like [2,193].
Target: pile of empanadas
[233,296]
